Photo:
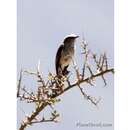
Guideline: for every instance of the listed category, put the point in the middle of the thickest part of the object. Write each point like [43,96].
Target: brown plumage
[65,55]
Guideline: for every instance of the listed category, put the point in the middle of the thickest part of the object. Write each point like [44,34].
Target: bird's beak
[76,36]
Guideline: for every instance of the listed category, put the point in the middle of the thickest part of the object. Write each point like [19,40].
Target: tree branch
[30,118]
[48,91]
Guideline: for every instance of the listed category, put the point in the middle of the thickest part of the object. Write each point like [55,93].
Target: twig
[104,80]
[90,70]
[44,104]
[88,97]
[19,84]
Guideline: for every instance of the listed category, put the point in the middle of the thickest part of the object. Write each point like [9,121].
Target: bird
[65,54]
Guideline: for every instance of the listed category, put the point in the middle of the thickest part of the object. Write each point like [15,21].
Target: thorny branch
[49,90]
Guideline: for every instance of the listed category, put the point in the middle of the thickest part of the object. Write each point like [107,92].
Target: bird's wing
[58,56]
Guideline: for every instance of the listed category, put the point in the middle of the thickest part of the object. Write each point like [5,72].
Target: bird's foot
[65,73]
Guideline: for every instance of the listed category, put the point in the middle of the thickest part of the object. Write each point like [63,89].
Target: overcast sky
[42,25]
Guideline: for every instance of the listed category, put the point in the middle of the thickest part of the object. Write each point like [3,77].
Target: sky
[42,26]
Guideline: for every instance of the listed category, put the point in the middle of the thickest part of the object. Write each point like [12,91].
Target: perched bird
[65,55]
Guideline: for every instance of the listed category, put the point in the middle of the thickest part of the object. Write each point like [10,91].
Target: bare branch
[19,84]
[49,90]
[30,118]
[104,80]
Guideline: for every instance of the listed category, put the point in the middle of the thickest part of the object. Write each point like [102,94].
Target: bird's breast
[65,61]
[66,57]
[68,50]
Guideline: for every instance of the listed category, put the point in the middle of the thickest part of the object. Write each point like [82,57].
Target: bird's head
[70,38]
